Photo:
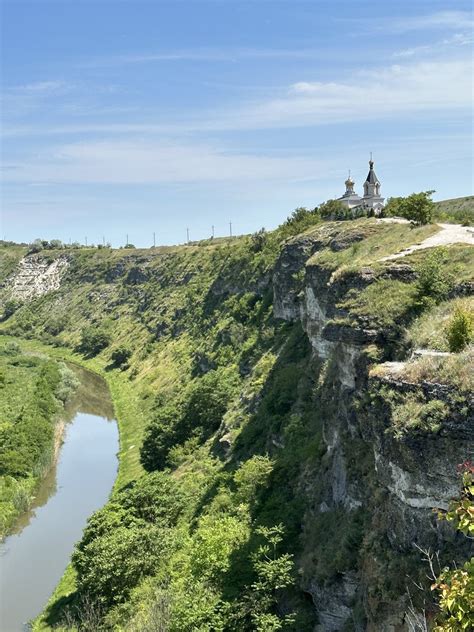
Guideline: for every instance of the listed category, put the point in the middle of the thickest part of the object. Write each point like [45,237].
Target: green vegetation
[229,501]
[417,207]
[455,586]
[33,392]
[456,211]
[460,330]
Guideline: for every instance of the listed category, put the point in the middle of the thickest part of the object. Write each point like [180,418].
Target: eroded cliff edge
[394,436]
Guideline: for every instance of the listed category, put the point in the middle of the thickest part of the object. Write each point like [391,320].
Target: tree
[333,209]
[120,356]
[93,340]
[274,572]
[417,207]
[455,586]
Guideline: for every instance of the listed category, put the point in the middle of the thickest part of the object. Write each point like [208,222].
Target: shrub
[460,330]
[93,340]
[120,356]
[36,246]
[433,283]
[258,240]
[10,308]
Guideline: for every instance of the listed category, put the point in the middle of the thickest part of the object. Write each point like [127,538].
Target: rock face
[399,480]
[36,276]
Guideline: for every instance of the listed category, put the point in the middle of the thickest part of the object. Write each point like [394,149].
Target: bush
[36,246]
[10,308]
[93,341]
[433,283]
[120,356]
[460,330]
[258,240]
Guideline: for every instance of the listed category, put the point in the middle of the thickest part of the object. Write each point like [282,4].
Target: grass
[377,240]
[10,255]
[428,331]
[455,211]
[382,303]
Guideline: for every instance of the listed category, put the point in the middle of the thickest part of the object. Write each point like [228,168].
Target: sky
[128,118]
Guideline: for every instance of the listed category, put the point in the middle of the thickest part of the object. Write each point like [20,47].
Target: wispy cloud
[457,20]
[447,44]
[202,54]
[390,92]
[137,161]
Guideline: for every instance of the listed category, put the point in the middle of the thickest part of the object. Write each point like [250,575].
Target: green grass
[377,240]
[429,330]
[9,257]
[455,211]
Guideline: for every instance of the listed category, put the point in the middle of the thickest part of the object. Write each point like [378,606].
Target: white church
[371,202]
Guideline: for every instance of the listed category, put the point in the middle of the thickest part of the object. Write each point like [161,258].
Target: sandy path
[449,234]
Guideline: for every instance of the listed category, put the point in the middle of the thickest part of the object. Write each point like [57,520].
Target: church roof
[371,177]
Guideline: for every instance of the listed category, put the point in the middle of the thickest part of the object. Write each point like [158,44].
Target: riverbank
[130,421]
[35,390]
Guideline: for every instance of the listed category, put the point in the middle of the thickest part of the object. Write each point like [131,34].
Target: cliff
[301,344]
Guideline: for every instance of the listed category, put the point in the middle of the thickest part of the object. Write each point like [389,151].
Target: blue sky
[132,117]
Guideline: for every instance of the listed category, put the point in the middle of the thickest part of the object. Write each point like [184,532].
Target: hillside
[291,412]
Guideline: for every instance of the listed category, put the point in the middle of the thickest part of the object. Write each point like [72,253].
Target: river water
[34,556]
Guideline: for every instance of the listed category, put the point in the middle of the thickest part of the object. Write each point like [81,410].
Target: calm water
[34,557]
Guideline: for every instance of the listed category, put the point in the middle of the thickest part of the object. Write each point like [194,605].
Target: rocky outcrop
[400,480]
[35,276]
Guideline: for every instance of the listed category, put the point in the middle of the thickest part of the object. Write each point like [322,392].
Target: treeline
[33,391]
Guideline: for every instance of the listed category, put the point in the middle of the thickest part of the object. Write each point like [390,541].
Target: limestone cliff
[400,479]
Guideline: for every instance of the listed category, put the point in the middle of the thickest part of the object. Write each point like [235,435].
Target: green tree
[120,356]
[460,330]
[333,209]
[417,207]
[455,587]
[274,572]
[93,340]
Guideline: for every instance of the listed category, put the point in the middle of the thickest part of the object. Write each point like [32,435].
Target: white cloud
[450,43]
[440,19]
[389,92]
[393,92]
[153,162]
[40,88]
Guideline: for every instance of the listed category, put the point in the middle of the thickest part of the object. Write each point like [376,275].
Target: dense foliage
[417,207]
[32,393]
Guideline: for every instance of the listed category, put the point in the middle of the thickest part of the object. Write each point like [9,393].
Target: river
[35,555]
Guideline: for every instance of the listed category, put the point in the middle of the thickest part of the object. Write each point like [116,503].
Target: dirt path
[449,234]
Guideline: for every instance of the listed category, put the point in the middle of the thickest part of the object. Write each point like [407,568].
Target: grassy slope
[183,309]
[457,210]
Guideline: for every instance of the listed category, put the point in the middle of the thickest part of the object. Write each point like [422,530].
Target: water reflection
[34,557]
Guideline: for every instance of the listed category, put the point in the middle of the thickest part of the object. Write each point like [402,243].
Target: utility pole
[213,231]
[154,240]
[230,229]
[103,240]
[127,239]
[187,235]
[86,242]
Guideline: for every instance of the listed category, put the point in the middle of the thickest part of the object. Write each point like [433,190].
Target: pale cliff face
[406,478]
